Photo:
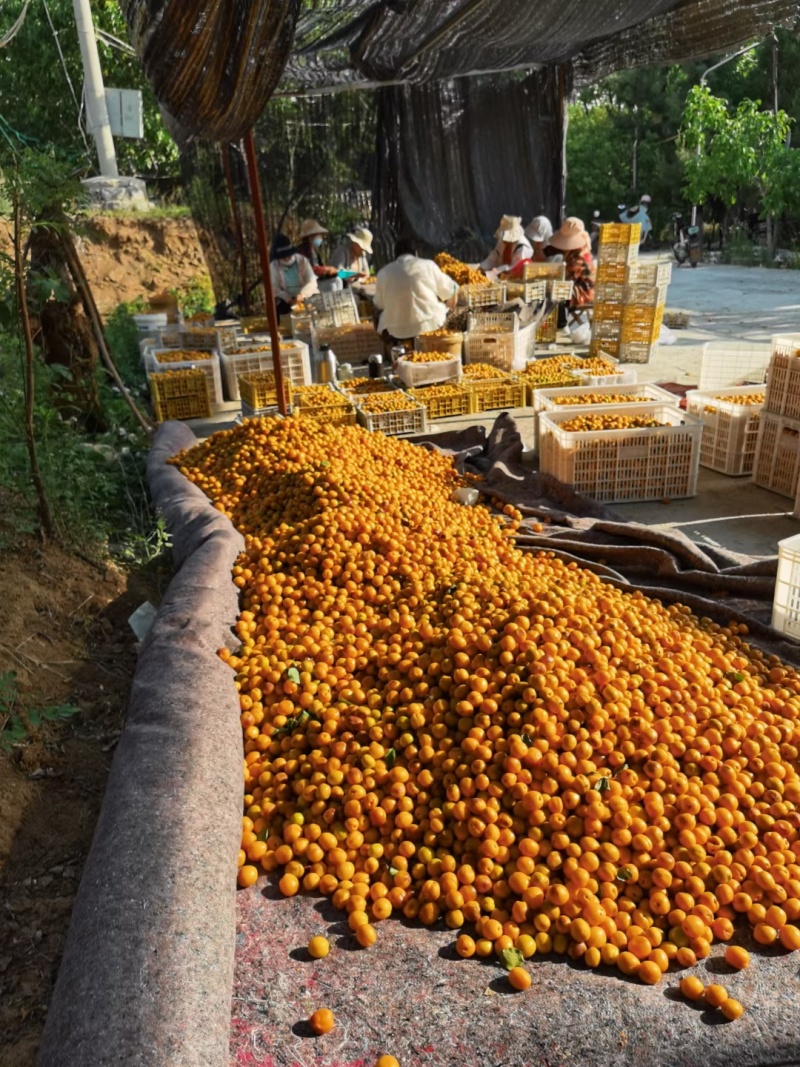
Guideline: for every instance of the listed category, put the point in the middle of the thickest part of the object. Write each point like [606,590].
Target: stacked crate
[777,458]
[629,296]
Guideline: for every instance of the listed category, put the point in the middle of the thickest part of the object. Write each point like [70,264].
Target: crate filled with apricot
[440,726]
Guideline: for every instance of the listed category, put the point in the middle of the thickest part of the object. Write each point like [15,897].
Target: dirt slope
[126,257]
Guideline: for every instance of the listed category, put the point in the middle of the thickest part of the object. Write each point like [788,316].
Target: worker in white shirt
[293,278]
[353,254]
[512,245]
[412,295]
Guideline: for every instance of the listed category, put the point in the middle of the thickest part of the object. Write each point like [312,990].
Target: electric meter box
[125,113]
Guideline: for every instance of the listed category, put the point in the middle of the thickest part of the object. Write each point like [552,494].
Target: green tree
[40,95]
[728,151]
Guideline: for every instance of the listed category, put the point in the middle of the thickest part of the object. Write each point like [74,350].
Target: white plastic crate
[626,376]
[340,300]
[783,376]
[650,274]
[636,351]
[777,460]
[645,295]
[208,362]
[561,291]
[147,324]
[728,363]
[786,600]
[393,423]
[295,363]
[730,430]
[497,338]
[548,399]
[619,466]
[413,375]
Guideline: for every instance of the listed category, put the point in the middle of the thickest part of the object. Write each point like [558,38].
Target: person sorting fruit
[539,231]
[353,255]
[512,246]
[309,244]
[292,277]
[412,295]
[574,243]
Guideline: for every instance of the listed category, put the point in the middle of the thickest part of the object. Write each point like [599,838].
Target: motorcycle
[638,213]
[687,246]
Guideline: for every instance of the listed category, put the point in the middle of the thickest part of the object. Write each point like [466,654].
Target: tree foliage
[37,105]
[639,115]
[728,151]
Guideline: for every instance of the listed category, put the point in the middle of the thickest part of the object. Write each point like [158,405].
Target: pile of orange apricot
[442,726]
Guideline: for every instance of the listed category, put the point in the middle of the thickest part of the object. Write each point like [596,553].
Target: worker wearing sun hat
[309,242]
[352,254]
[575,243]
[539,231]
[512,245]
[292,277]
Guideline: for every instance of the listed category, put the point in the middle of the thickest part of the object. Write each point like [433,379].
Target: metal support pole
[94,92]
[263,255]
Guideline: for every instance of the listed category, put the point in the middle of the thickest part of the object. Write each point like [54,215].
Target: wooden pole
[237,225]
[89,306]
[263,255]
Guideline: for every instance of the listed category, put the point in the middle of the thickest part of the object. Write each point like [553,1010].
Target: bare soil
[64,631]
[127,257]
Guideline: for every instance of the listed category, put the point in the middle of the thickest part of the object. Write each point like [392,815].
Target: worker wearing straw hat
[353,254]
[574,243]
[309,243]
[512,245]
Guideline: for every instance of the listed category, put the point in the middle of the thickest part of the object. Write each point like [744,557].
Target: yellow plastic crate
[456,401]
[641,324]
[257,389]
[180,394]
[493,394]
[547,330]
[620,233]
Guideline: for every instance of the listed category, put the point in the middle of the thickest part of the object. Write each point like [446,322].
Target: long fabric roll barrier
[148,967]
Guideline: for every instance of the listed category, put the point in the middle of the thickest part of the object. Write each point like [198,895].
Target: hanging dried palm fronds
[213,64]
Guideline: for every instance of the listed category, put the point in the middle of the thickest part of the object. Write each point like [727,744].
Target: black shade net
[429,120]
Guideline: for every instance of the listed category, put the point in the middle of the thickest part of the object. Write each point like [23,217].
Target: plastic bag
[581,333]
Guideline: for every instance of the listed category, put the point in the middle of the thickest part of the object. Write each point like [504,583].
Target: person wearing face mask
[292,276]
[309,244]
[354,254]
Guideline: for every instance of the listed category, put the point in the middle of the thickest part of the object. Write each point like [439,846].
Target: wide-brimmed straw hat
[510,229]
[310,228]
[363,238]
[539,229]
[572,235]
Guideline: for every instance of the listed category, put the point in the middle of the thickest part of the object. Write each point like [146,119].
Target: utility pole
[94,91]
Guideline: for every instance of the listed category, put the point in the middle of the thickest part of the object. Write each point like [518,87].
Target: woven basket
[452,343]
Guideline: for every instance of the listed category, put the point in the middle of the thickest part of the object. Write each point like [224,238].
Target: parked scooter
[688,245]
[638,213]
